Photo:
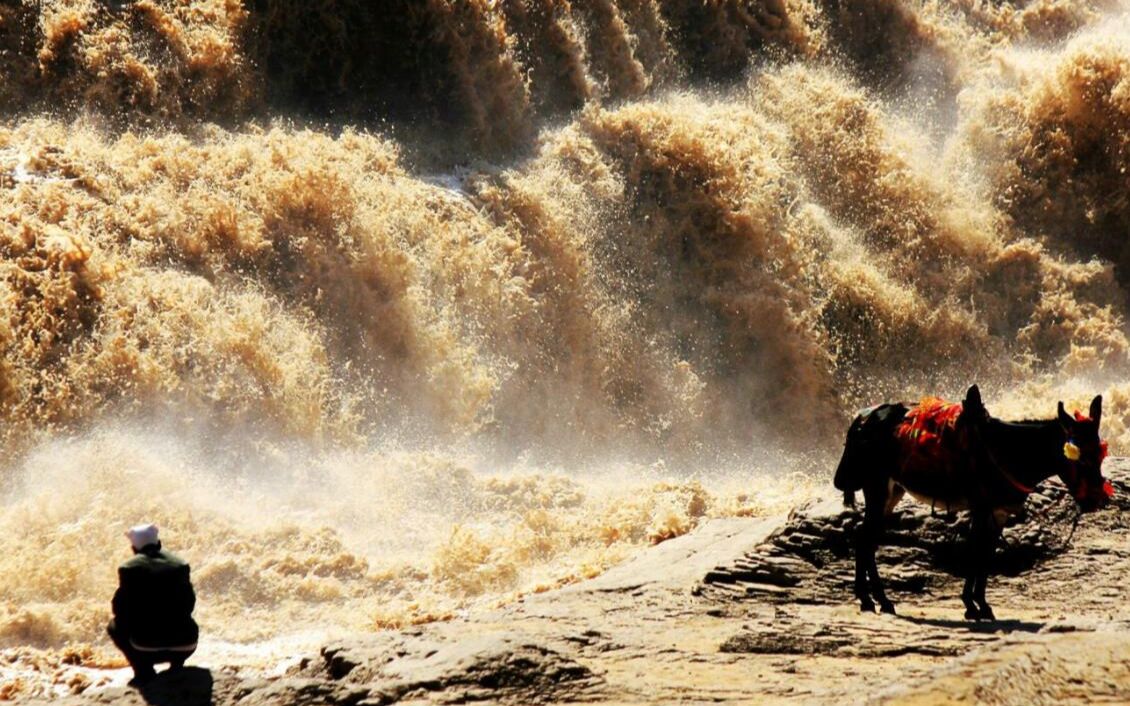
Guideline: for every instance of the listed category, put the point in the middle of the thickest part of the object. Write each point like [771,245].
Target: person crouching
[153,607]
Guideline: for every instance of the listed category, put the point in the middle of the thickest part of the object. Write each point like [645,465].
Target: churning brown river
[384,310]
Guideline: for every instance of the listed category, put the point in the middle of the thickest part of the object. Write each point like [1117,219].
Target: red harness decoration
[929,438]
[927,433]
[1081,491]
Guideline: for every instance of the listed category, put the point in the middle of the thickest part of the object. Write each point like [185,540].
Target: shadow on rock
[191,686]
[988,626]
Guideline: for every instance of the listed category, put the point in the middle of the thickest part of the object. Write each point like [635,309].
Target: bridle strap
[1011,479]
[1008,476]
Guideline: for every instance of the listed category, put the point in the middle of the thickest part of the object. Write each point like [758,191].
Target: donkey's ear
[1065,419]
[973,409]
[1097,408]
[973,399]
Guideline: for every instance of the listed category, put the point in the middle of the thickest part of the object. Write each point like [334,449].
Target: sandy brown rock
[759,611]
[476,668]
[1079,667]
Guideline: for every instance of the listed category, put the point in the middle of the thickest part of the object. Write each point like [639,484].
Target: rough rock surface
[759,610]
[810,559]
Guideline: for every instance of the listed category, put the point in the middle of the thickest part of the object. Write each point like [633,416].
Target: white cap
[141,535]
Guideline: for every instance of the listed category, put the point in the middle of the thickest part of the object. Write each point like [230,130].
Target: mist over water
[382,309]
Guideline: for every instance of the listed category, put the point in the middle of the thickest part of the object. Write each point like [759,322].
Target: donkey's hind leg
[879,499]
[864,555]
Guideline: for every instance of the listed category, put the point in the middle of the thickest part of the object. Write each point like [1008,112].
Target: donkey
[957,457]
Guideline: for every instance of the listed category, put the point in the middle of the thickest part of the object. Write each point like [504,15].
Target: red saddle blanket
[928,433]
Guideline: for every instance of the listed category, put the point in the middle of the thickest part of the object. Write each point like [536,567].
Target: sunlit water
[377,341]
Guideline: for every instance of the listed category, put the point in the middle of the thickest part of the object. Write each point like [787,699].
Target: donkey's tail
[868,448]
[849,474]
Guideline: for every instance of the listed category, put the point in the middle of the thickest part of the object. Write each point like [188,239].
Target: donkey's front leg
[972,612]
[972,571]
[988,550]
[983,535]
[864,554]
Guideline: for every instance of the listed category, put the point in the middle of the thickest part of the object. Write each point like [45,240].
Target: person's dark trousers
[142,661]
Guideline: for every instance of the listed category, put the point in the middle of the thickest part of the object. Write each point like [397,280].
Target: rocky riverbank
[757,610]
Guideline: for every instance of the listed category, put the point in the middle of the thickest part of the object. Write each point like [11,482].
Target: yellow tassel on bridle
[1071,451]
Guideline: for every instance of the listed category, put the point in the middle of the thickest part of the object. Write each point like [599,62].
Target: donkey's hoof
[972,614]
[866,607]
[986,613]
[887,607]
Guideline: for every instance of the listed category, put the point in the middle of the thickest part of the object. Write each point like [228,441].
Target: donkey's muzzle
[1091,503]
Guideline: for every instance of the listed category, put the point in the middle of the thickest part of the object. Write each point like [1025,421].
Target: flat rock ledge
[757,611]
[810,558]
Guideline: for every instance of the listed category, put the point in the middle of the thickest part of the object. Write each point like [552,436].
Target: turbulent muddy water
[383,309]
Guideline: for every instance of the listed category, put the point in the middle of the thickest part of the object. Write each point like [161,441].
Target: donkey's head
[1083,455]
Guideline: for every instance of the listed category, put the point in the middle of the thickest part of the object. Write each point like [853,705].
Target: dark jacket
[154,601]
